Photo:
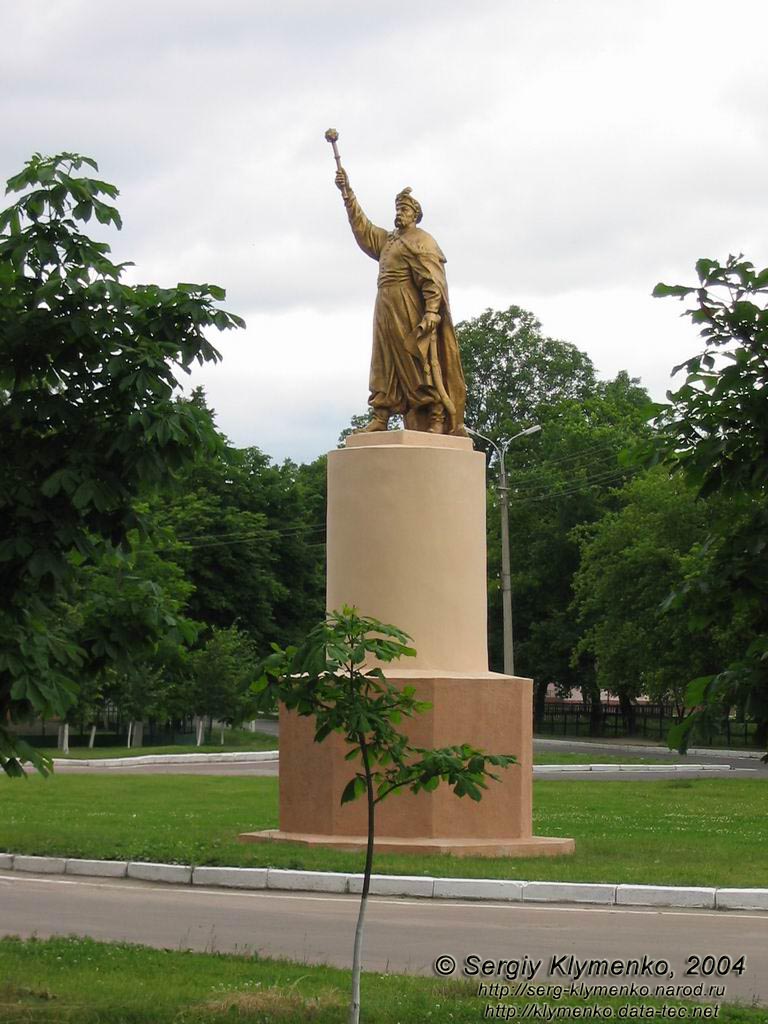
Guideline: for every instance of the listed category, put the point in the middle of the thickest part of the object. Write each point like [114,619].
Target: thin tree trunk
[130,733]
[200,731]
[64,737]
[539,698]
[596,716]
[627,708]
[357,959]
[222,737]
[761,733]
[92,737]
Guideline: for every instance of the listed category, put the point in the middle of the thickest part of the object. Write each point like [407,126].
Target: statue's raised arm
[415,364]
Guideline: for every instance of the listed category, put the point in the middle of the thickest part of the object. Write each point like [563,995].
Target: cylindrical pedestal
[407,546]
[406,542]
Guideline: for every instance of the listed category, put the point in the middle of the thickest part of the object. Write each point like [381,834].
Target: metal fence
[651,721]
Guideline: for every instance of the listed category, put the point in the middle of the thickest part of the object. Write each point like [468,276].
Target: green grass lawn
[256,741]
[78,981]
[684,832]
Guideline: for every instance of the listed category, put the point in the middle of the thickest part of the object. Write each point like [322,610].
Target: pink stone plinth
[534,846]
[486,710]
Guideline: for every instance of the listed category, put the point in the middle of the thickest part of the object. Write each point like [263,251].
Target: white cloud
[568,156]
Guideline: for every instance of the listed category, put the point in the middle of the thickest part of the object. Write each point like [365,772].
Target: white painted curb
[568,892]
[40,865]
[395,885]
[117,762]
[231,878]
[497,890]
[741,899]
[97,868]
[178,873]
[660,896]
[307,881]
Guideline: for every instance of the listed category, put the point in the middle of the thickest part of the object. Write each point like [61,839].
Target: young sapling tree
[335,678]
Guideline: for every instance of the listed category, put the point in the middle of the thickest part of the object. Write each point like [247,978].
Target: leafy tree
[326,678]
[225,544]
[131,621]
[293,498]
[561,478]
[251,540]
[630,560]
[223,671]
[515,374]
[715,431]
[88,367]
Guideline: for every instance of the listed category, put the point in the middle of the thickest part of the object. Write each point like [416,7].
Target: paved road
[402,936]
[201,768]
[641,751]
[741,766]
[271,768]
[726,773]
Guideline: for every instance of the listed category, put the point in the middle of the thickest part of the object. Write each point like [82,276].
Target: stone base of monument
[407,545]
[535,846]
[486,710]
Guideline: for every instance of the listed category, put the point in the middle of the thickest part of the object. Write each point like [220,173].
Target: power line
[599,480]
[236,538]
[250,534]
[594,464]
[585,452]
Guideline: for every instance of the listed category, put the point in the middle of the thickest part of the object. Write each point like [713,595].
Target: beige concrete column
[406,541]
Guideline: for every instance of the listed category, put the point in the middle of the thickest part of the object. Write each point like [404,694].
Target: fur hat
[405,198]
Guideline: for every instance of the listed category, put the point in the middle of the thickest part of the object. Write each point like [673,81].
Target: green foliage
[129,617]
[514,373]
[250,539]
[630,560]
[715,428]
[563,478]
[715,431]
[326,678]
[558,480]
[87,372]
[223,670]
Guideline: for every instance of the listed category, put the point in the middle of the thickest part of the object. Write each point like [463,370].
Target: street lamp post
[506,572]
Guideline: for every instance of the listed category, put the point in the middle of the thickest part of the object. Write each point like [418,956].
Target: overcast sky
[568,155]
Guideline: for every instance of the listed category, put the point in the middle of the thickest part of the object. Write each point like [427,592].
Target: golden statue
[415,363]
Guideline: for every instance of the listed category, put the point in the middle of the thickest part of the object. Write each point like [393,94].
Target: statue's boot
[379,421]
[436,419]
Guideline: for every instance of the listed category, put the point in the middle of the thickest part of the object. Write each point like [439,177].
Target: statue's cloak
[427,263]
